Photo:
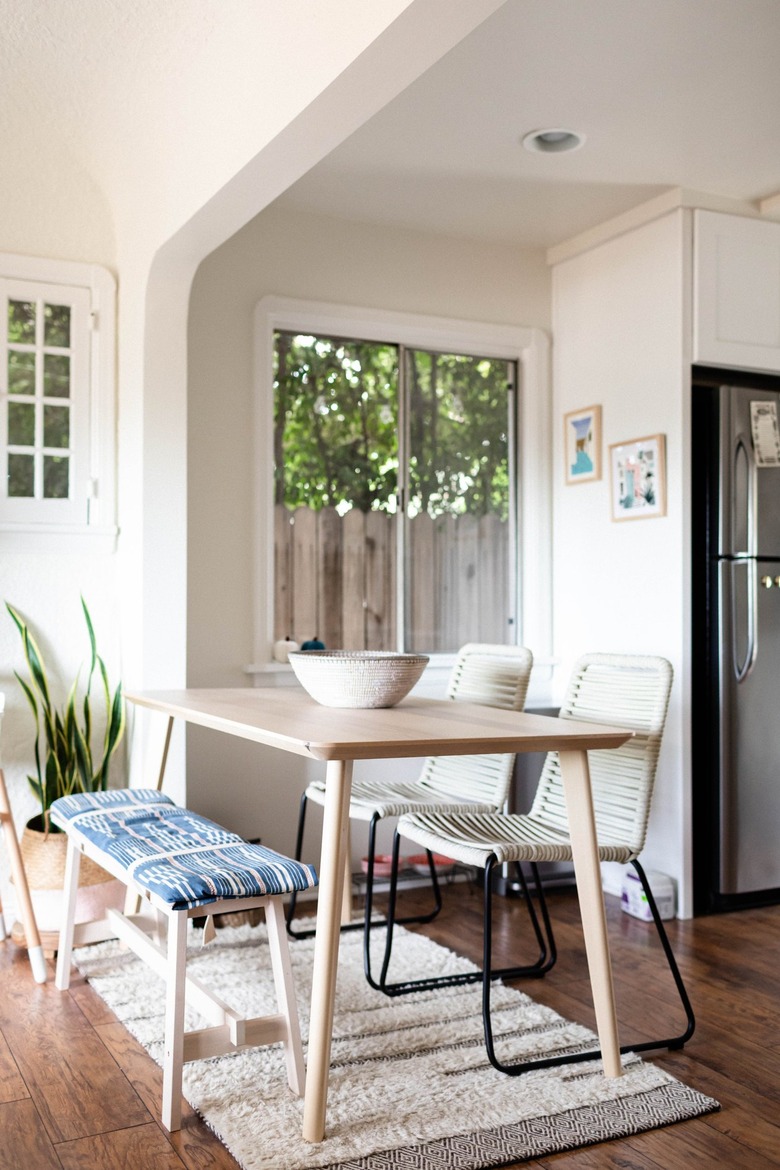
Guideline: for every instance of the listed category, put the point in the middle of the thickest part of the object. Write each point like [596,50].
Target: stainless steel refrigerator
[739,664]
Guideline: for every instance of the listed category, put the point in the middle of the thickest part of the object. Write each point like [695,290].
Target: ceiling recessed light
[553,141]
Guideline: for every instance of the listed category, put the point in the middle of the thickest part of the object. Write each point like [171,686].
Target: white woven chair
[496,676]
[623,691]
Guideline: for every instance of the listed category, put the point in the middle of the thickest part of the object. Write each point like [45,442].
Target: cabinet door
[736,286]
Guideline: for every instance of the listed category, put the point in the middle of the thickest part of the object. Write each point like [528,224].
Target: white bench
[183,866]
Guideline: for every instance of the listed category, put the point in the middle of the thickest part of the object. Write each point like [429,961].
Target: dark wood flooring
[77,1092]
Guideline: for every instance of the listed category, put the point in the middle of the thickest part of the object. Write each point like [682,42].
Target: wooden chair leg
[285,993]
[173,1059]
[27,914]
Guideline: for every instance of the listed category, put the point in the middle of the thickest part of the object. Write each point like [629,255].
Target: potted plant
[67,760]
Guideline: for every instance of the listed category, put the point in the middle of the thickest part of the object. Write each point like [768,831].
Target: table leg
[346,893]
[338,785]
[582,828]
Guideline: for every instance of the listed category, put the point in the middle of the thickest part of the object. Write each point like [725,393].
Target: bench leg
[285,993]
[174,1020]
[69,895]
[160,929]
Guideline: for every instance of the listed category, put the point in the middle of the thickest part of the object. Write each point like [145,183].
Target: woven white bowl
[357,678]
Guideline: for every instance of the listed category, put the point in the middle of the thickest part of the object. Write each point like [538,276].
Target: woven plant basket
[43,857]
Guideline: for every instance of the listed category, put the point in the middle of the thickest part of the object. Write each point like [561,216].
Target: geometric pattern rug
[410,1083]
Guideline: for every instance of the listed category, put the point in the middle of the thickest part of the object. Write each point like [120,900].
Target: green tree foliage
[458,427]
[336,418]
[336,441]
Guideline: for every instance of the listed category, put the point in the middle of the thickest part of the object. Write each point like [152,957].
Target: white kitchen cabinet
[736,289]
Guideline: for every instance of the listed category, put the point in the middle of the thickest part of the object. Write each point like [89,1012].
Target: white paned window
[395,495]
[56,398]
[445,547]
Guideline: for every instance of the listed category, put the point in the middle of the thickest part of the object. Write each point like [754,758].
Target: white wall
[178,205]
[43,578]
[295,254]
[46,587]
[67,218]
[145,173]
[619,324]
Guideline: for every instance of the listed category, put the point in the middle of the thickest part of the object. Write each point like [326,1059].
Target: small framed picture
[582,444]
[638,475]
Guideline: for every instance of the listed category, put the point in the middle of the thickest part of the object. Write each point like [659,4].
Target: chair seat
[472,838]
[181,857]
[381,799]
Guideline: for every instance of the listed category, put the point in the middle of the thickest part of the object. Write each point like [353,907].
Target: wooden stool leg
[34,948]
[285,993]
[174,1019]
[69,895]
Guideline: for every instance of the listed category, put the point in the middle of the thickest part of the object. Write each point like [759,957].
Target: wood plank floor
[78,1093]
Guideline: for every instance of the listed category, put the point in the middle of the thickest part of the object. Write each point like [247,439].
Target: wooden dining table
[288,719]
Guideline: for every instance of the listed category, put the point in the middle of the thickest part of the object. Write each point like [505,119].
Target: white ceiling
[669,93]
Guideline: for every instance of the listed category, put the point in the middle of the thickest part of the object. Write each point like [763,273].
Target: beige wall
[291,253]
[67,218]
[619,321]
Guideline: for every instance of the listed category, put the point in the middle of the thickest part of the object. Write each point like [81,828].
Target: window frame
[34,523]
[528,347]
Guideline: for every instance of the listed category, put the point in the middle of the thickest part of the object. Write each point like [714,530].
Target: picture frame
[638,478]
[582,444]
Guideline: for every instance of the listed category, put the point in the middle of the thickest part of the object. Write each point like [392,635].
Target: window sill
[25,538]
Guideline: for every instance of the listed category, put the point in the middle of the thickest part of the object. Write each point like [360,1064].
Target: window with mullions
[394,494]
[44,419]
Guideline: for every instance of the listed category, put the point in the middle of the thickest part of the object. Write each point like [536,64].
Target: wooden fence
[335,579]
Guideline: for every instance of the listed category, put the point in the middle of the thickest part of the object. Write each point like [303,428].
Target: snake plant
[63,750]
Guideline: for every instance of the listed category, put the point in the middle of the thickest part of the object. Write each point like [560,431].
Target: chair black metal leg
[364,923]
[547,950]
[437,904]
[684,1037]
[543,963]
[358,925]
[290,912]
[593,1054]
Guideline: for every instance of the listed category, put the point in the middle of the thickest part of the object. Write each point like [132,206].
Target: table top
[287,718]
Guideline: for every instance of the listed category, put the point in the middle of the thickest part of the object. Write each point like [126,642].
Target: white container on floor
[633,899]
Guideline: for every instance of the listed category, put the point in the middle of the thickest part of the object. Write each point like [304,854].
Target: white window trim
[529,347]
[101,529]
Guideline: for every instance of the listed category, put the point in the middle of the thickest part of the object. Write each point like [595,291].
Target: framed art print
[582,444]
[638,477]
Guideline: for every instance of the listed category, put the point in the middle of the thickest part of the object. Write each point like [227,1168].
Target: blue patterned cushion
[183,858]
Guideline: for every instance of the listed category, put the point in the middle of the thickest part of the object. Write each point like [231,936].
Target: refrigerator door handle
[743,669]
[744,462]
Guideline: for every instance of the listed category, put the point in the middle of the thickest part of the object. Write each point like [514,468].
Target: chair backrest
[495,676]
[622,690]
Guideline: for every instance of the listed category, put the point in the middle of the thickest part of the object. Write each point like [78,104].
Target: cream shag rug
[410,1082]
